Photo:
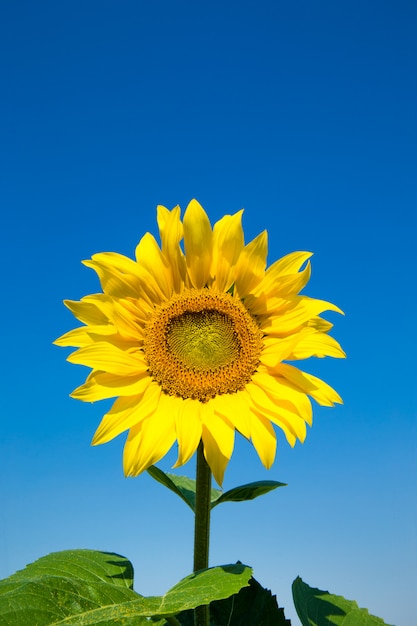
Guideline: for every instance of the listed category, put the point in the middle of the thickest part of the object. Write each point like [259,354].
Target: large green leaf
[203,587]
[88,588]
[185,488]
[252,605]
[63,584]
[88,565]
[316,607]
[247,492]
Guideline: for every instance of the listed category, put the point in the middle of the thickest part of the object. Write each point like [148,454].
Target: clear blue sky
[303,113]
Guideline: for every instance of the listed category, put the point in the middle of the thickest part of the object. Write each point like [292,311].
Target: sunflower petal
[288,286]
[250,267]
[263,438]
[108,358]
[290,437]
[218,438]
[121,277]
[117,274]
[284,394]
[79,337]
[233,406]
[94,309]
[285,284]
[155,437]
[130,450]
[198,242]
[171,232]
[130,319]
[318,323]
[127,413]
[263,305]
[150,258]
[277,413]
[304,309]
[276,349]
[316,344]
[227,245]
[313,386]
[288,264]
[188,429]
[101,386]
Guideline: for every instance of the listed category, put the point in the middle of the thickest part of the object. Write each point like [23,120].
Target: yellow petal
[171,232]
[313,386]
[288,286]
[316,344]
[108,358]
[263,305]
[276,350]
[130,450]
[115,261]
[250,267]
[263,438]
[218,438]
[284,275]
[188,429]
[126,413]
[276,412]
[198,244]
[304,309]
[149,442]
[79,337]
[234,407]
[284,393]
[100,386]
[94,310]
[149,258]
[290,437]
[288,264]
[117,274]
[130,319]
[320,324]
[122,277]
[227,245]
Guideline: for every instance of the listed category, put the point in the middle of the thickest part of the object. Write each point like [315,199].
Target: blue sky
[303,114]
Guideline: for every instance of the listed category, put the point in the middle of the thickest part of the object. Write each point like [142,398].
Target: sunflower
[193,339]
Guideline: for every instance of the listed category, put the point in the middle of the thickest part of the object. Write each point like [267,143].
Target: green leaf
[63,584]
[88,588]
[183,486]
[205,586]
[247,492]
[252,605]
[88,565]
[316,607]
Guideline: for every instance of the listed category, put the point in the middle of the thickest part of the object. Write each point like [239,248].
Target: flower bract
[196,339]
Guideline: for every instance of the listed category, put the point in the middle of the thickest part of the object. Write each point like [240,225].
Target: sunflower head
[194,339]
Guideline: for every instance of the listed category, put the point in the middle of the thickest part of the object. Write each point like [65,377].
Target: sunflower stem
[202,527]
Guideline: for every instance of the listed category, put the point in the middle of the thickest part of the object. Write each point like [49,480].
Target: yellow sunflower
[193,340]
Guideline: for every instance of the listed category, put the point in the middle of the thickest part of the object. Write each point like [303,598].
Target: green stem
[202,527]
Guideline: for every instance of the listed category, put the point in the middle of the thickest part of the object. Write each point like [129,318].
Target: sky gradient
[303,114]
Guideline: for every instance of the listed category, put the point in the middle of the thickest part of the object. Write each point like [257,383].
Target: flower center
[204,339]
[202,343]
